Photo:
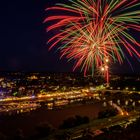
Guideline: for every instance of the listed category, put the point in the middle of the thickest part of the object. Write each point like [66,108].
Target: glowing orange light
[122,113]
[102,69]
[107,60]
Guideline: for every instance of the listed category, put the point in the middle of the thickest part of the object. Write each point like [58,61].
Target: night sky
[23,40]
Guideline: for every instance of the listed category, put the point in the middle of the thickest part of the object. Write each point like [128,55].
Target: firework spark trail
[92,30]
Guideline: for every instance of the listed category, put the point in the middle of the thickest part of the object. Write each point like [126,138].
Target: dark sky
[23,39]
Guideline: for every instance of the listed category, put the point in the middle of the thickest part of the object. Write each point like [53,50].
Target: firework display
[95,32]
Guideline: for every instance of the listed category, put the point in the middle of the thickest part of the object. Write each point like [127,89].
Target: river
[28,121]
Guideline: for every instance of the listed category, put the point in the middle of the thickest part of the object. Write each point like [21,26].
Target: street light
[134,88]
[107,60]
[102,68]
[126,88]
[105,70]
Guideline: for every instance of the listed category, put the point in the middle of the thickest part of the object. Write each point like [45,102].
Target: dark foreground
[9,125]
